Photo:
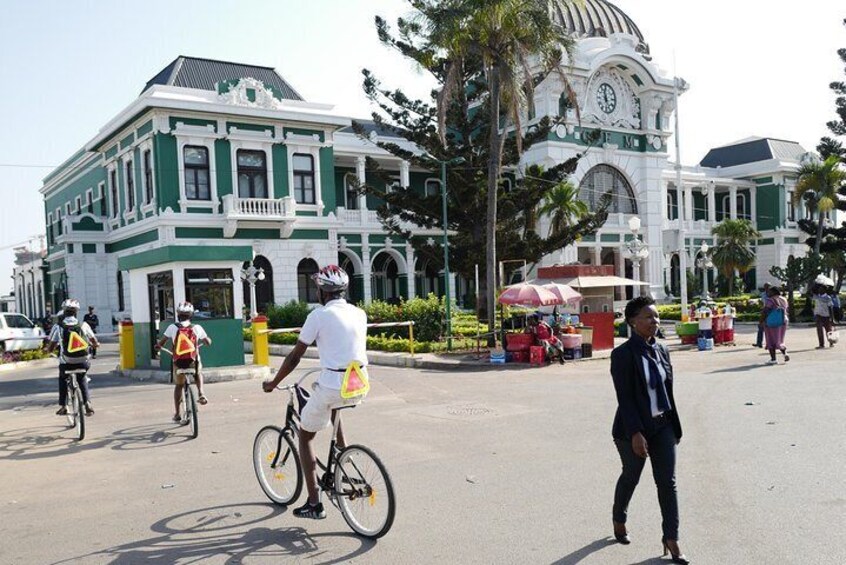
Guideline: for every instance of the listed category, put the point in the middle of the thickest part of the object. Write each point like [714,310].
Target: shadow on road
[237,531]
[586,551]
[740,368]
[58,440]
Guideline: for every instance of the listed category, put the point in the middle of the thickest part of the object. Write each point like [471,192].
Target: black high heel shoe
[621,538]
[674,558]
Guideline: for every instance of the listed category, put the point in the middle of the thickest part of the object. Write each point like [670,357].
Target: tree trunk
[493,178]
[819,232]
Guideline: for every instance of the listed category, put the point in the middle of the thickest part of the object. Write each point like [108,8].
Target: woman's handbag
[775,318]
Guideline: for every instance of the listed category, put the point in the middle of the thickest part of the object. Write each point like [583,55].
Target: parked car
[13,327]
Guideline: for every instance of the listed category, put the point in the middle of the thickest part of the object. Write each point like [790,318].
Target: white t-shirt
[172,329]
[56,337]
[340,330]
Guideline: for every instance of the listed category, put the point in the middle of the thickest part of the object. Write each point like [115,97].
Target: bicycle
[75,406]
[188,406]
[354,478]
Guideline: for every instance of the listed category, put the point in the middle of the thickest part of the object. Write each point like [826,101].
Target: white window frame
[199,136]
[146,207]
[89,200]
[307,145]
[741,210]
[78,204]
[101,191]
[426,186]
[348,176]
[114,207]
[249,140]
[129,157]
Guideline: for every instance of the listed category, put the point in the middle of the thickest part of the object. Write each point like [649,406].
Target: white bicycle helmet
[185,308]
[332,278]
[70,304]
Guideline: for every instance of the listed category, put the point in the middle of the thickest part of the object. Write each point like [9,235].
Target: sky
[755,67]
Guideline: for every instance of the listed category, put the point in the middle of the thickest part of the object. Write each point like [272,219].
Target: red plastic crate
[520,356]
[519,342]
[537,355]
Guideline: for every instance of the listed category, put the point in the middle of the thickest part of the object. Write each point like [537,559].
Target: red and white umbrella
[524,294]
[565,293]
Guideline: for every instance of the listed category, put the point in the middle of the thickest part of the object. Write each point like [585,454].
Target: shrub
[18,356]
[428,315]
[290,315]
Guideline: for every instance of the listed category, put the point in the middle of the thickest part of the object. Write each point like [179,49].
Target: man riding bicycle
[186,338]
[73,340]
[340,330]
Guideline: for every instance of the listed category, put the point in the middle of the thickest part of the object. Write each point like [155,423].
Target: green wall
[226,349]
[223,167]
[771,206]
[167,171]
[327,180]
[280,171]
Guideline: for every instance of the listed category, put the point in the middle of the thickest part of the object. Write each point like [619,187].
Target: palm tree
[733,251]
[562,205]
[818,182]
[514,42]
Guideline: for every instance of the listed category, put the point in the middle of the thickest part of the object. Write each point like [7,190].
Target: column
[365,268]
[362,198]
[753,205]
[410,260]
[668,272]
[733,202]
[620,269]
[404,174]
[712,204]
[665,204]
[688,205]
[596,253]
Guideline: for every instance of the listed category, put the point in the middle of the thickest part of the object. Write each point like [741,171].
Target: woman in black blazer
[647,422]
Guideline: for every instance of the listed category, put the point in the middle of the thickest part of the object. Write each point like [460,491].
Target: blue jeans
[662,454]
[759,341]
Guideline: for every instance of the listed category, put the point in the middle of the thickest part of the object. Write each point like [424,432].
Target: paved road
[513,466]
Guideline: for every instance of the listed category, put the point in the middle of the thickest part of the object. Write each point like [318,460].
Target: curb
[210,375]
[36,363]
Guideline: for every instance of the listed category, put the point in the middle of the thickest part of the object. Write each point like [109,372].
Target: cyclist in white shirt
[340,330]
[68,323]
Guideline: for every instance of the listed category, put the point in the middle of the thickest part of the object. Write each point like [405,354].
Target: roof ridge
[183,57]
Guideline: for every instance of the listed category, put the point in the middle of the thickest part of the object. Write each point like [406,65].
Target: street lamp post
[704,263]
[455,161]
[251,275]
[636,247]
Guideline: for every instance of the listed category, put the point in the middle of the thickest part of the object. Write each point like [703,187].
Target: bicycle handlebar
[301,379]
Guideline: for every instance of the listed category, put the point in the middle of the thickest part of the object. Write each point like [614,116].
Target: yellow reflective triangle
[184,345]
[355,381]
[76,343]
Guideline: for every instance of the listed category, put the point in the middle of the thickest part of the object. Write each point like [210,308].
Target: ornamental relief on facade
[621,110]
[250,92]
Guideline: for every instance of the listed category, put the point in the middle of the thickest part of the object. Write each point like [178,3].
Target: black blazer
[634,413]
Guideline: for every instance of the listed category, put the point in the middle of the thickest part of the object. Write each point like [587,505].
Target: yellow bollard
[411,338]
[261,348]
[127,344]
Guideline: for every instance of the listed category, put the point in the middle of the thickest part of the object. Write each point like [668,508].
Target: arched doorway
[352,266]
[306,288]
[385,278]
[264,288]
[675,275]
[603,179]
[428,279]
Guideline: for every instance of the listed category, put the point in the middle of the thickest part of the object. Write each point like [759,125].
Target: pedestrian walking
[93,322]
[759,340]
[822,314]
[646,424]
[774,322]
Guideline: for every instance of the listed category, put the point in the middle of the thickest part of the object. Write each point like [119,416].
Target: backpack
[185,347]
[74,345]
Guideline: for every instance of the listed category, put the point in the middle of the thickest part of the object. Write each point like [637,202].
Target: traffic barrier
[127,344]
[409,324]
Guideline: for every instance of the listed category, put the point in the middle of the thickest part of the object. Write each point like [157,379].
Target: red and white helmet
[332,278]
[185,308]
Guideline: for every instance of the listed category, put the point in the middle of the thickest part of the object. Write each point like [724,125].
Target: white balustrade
[258,208]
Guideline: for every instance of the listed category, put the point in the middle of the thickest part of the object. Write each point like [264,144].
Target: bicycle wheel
[277,465]
[79,410]
[191,411]
[364,492]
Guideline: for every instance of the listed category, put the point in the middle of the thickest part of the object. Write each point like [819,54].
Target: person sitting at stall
[544,337]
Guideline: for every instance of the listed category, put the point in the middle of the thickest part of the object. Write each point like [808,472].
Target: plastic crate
[587,350]
[520,356]
[519,342]
[573,354]
[537,355]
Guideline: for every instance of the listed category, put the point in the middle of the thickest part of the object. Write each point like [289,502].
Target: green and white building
[216,164]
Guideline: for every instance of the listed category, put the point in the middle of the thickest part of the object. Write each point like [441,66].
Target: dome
[597,18]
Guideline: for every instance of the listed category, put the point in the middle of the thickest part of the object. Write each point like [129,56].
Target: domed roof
[597,18]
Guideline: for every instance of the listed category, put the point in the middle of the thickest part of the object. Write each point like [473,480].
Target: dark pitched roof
[370,126]
[192,72]
[752,151]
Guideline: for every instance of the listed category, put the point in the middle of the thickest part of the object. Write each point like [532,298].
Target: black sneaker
[63,411]
[315,512]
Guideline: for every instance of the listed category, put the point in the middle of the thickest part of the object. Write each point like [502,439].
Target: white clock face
[606,98]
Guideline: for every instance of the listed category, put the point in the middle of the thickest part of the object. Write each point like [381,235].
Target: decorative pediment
[609,100]
[248,92]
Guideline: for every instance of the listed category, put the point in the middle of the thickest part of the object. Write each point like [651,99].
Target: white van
[13,327]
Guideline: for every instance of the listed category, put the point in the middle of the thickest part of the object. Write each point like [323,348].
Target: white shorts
[317,413]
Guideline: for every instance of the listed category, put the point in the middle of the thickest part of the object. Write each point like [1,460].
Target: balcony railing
[280,210]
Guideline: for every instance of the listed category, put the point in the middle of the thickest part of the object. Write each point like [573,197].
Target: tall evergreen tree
[463,120]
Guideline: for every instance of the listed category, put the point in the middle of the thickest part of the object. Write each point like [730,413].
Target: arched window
[603,179]
[350,192]
[305,285]
[264,288]
[385,282]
